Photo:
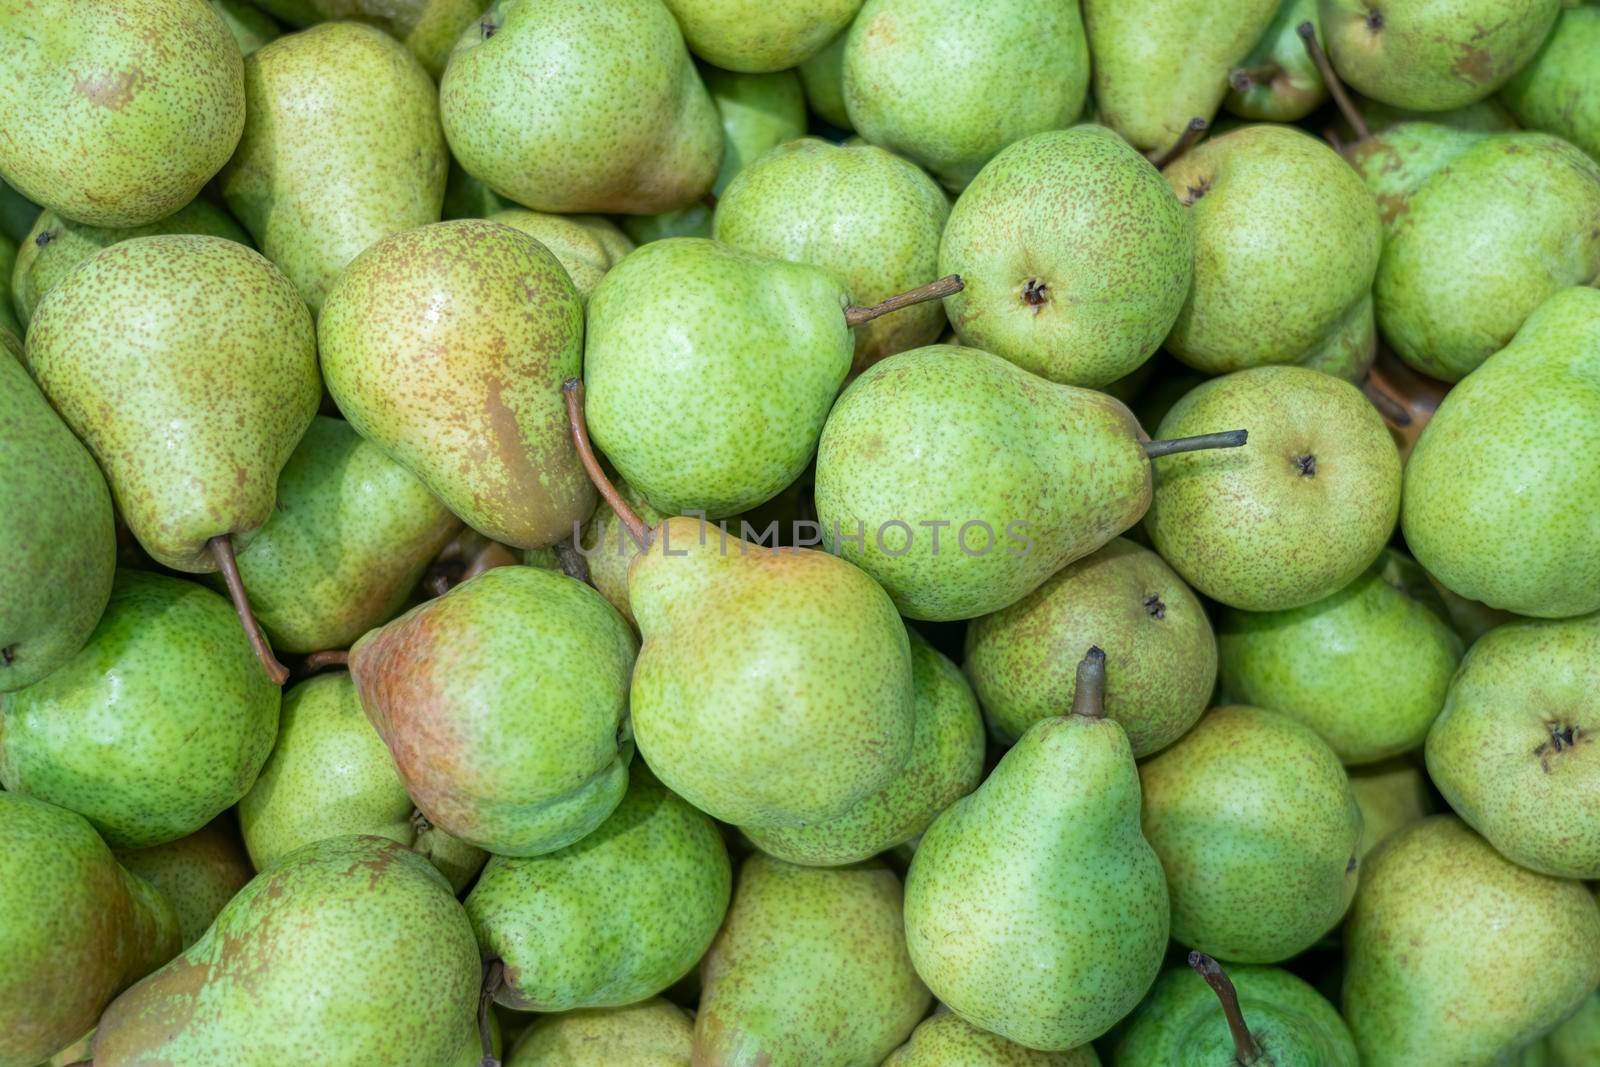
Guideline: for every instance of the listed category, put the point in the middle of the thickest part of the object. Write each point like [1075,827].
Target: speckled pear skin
[188,365]
[1514,750]
[571,106]
[617,917]
[1160,63]
[341,147]
[1493,468]
[947,1040]
[709,372]
[446,346]
[1454,954]
[946,764]
[57,538]
[1558,91]
[756,37]
[610,549]
[865,214]
[1289,86]
[349,538]
[330,775]
[273,976]
[429,28]
[810,967]
[1366,668]
[251,27]
[117,112]
[199,874]
[56,245]
[1076,257]
[1161,657]
[1293,516]
[1258,832]
[586,245]
[75,929]
[1181,1022]
[504,704]
[157,725]
[1397,161]
[823,78]
[955,435]
[652,1033]
[1529,204]
[1433,55]
[1287,241]
[948,85]
[1391,795]
[1035,909]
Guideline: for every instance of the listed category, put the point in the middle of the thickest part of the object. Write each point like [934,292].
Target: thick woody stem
[855,315]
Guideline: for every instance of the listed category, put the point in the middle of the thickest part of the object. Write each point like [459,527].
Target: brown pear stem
[1308,34]
[1191,133]
[1242,78]
[494,972]
[316,661]
[1089,688]
[221,548]
[1246,1051]
[573,388]
[1226,439]
[855,315]
[1393,412]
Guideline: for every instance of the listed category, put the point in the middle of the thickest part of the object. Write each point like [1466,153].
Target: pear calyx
[1089,688]
[573,388]
[1225,439]
[1242,78]
[1246,1051]
[1191,133]
[1308,34]
[221,548]
[856,315]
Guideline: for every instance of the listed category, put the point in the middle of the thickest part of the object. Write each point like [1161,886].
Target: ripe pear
[429,28]
[946,1040]
[251,27]
[1076,255]
[1493,473]
[652,1033]
[810,967]
[823,78]
[199,874]
[1456,955]
[586,245]
[341,147]
[1391,795]
[1278,81]
[1161,655]
[1559,90]
[446,346]
[757,38]
[117,112]
[948,85]
[75,929]
[1397,161]
[568,106]
[345,979]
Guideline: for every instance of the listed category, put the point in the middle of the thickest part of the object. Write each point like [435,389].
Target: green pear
[948,1040]
[568,106]
[1287,240]
[1294,517]
[329,775]
[199,874]
[1162,657]
[1160,63]
[1277,81]
[1493,471]
[823,78]
[1391,795]
[1482,116]
[251,27]
[810,967]
[75,929]
[157,725]
[610,550]
[1366,668]
[117,112]
[864,214]
[1017,889]
[1576,1042]
[1431,56]
[946,764]
[504,705]
[56,245]
[611,920]
[341,147]
[586,245]
[57,535]
[17,212]
[652,1033]
[446,347]
[1396,162]
[757,38]
[350,536]
[352,948]
[1076,255]
[1513,750]
[1253,818]
[1559,90]
[1454,954]
[429,28]
[948,84]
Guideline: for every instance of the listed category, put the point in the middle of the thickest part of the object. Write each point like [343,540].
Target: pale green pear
[652,1033]
[610,550]
[1559,90]
[1391,795]
[429,28]
[1398,161]
[341,147]
[569,106]
[199,874]
[948,1040]
[75,929]
[948,84]
[1454,954]
[586,245]
[810,967]
[1278,81]
[758,37]
[117,111]
[251,27]
[823,78]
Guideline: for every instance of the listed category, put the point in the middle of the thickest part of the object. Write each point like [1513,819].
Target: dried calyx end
[573,388]
[856,315]
[1374,20]
[1245,1049]
[8,655]
[1155,607]
[1243,79]
[1308,34]
[1197,443]
[221,548]
[1563,737]
[1191,133]
[488,27]
[1194,192]
[44,238]
[1089,689]
[1306,465]
[1035,294]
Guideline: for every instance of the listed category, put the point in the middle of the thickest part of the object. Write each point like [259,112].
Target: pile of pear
[698,533]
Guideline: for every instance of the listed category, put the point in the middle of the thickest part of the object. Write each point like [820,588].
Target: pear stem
[1089,689]
[221,548]
[1246,1051]
[573,388]
[1226,439]
[856,315]
[1242,78]
[1308,34]
[571,561]
[494,972]
[333,657]
[1191,133]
